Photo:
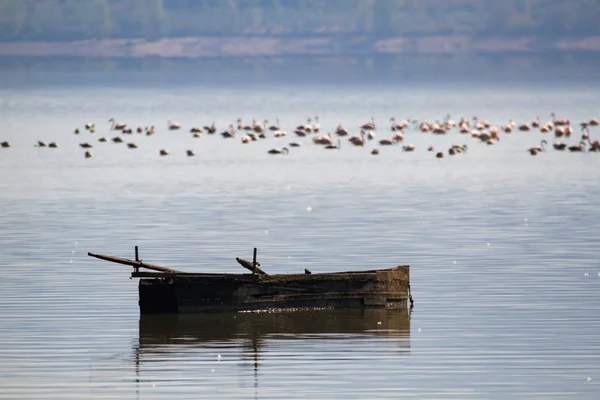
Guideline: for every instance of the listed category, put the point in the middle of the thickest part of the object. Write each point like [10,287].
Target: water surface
[502,245]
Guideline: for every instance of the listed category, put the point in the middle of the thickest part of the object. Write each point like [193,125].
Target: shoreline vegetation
[264,28]
[320,46]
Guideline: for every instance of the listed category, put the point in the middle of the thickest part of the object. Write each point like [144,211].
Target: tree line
[64,20]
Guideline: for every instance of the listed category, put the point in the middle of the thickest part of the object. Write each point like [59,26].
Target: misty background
[302,40]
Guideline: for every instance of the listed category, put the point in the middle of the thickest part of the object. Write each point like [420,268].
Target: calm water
[503,246]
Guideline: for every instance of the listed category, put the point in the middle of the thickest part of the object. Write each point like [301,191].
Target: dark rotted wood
[157,299]
[251,266]
[193,293]
[135,264]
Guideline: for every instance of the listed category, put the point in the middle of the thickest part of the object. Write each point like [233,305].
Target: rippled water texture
[503,246]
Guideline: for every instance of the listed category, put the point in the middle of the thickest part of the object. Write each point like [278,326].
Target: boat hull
[205,293]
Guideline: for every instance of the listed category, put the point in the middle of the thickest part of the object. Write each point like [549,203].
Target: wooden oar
[252,266]
[133,263]
[248,265]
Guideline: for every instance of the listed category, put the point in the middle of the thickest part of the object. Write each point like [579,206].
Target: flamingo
[308,127]
[249,127]
[274,127]
[484,137]
[358,140]
[568,131]
[398,137]
[559,122]
[579,148]
[534,150]
[173,126]
[210,128]
[325,139]
[333,146]
[228,133]
[595,145]
[457,149]
[283,150]
[116,126]
[439,130]
[546,128]
[369,126]
[316,126]
[524,127]
[258,128]
[341,131]
[394,125]
[300,132]
[559,146]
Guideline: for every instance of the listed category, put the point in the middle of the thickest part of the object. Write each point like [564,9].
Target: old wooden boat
[165,290]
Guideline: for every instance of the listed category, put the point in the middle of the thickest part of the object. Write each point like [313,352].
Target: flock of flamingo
[479,130]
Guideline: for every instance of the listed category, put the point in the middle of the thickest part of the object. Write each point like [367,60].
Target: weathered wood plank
[248,265]
[133,263]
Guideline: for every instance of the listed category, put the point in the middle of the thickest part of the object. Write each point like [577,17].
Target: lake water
[503,246]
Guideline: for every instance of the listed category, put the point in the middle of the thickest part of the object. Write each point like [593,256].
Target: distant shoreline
[265,46]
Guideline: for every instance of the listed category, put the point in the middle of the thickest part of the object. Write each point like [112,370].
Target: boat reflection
[174,332]
[176,336]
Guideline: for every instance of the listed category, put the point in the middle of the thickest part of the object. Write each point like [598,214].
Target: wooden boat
[165,290]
